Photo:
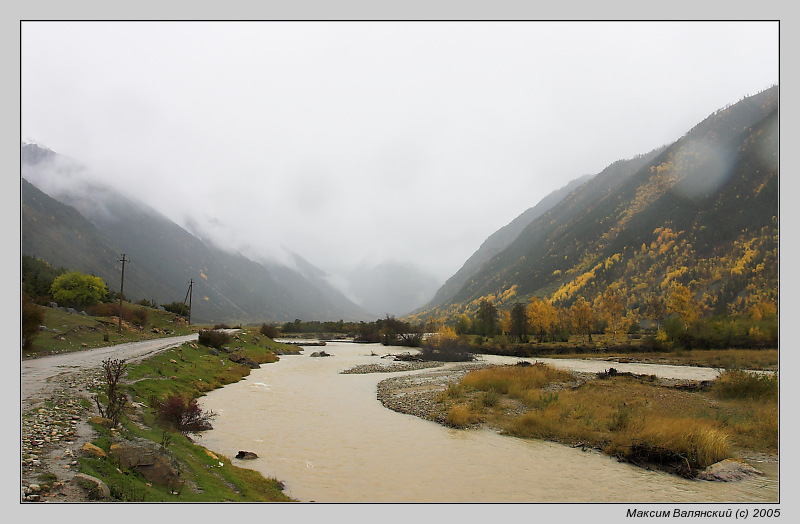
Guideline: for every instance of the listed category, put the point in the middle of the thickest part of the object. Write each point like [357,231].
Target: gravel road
[36,374]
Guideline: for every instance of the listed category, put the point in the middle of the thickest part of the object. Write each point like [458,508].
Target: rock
[246,455]
[102,421]
[71,310]
[243,360]
[93,450]
[320,354]
[42,328]
[153,466]
[97,489]
[729,470]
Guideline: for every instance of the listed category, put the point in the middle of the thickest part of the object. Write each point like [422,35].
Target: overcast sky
[347,142]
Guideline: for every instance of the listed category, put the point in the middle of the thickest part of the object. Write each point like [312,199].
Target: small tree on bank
[116,399]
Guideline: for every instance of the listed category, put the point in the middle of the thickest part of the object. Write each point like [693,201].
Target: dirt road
[37,374]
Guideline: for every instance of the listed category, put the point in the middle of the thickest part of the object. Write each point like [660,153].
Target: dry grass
[515,381]
[624,416]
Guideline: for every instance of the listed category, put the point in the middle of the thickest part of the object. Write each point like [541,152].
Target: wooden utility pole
[189,297]
[121,284]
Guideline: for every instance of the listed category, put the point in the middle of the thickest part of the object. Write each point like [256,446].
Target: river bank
[63,440]
[438,395]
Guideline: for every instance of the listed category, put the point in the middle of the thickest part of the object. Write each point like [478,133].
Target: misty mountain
[391,287]
[85,225]
[702,212]
[499,240]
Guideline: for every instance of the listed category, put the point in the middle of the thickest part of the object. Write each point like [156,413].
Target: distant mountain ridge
[87,226]
[702,212]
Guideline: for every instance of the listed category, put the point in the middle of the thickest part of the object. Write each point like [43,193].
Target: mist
[346,142]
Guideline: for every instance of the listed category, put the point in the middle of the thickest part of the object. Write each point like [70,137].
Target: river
[328,438]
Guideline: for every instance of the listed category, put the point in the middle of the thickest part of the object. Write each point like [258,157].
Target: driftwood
[403,357]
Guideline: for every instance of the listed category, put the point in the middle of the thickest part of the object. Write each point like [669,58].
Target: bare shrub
[183,415]
[115,398]
[269,330]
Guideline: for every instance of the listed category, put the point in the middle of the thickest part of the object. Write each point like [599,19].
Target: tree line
[673,319]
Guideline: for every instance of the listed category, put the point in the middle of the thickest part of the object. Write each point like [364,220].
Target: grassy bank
[74,332]
[189,371]
[633,418]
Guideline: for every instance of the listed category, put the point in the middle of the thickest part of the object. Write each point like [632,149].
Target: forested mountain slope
[702,212]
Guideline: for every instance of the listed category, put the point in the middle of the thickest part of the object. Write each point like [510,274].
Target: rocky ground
[53,432]
[391,368]
[416,394]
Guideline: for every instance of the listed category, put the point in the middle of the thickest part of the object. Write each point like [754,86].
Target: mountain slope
[164,257]
[702,212]
[498,241]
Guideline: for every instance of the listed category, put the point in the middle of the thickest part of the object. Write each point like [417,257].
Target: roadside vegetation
[635,418]
[162,413]
[87,316]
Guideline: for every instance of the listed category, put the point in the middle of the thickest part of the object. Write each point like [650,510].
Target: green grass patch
[189,370]
[74,332]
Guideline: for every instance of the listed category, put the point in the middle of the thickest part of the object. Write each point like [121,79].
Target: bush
[183,415]
[213,338]
[77,289]
[139,317]
[268,330]
[744,385]
[177,308]
[447,346]
[32,318]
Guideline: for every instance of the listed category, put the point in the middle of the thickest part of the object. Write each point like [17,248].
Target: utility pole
[189,297]
[121,284]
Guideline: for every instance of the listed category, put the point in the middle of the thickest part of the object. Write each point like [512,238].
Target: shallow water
[329,440]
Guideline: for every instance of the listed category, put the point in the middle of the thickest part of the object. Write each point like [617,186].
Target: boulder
[243,360]
[729,470]
[153,466]
[246,455]
[93,450]
[96,488]
[107,422]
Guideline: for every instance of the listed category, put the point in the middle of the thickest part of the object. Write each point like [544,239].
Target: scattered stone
[153,466]
[102,421]
[93,450]
[96,488]
[729,470]
[246,455]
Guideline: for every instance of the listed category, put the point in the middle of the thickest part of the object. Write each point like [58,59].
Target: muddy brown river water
[327,437]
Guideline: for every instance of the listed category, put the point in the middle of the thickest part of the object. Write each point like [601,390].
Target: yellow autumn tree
[682,303]
[542,317]
[583,318]
[612,308]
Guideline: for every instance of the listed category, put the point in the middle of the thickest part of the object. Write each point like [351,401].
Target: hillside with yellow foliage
[701,215]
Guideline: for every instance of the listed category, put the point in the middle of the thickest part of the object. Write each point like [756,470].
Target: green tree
[463,325]
[487,318]
[519,322]
[79,290]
